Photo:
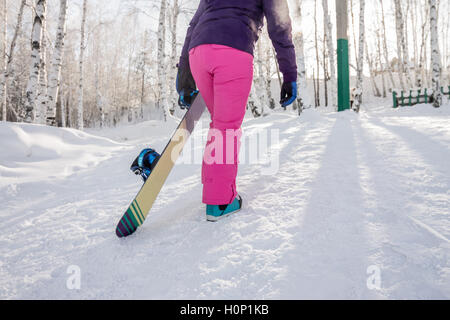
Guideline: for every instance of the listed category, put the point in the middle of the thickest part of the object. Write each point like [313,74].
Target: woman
[217,57]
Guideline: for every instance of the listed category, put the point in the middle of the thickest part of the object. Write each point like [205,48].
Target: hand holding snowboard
[186,87]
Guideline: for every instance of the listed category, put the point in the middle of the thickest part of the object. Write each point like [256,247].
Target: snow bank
[138,132]
[36,152]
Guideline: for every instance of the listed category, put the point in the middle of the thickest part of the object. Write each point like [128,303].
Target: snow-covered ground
[358,209]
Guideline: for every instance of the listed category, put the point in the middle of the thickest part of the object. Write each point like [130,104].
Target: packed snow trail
[352,193]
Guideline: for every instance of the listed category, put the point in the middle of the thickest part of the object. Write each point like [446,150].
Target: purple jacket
[237,23]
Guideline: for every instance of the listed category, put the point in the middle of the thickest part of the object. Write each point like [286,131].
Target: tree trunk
[325,69]
[260,79]
[56,63]
[316,42]
[80,109]
[252,103]
[406,60]
[128,106]
[61,109]
[143,75]
[448,48]
[413,5]
[376,91]
[98,97]
[423,48]
[6,75]
[300,55]
[360,68]
[435,55]
[401,54]
[161,102]
[268,64]
[331,53]
[5,61]
[355,45]
[99,107]
[69,118]
[385,49]
[33,80]
[274,55]
[41,100]
[59,114]
[173,58]
[380,63]
[315,87]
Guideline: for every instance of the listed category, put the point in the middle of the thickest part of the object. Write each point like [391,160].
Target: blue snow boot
[217,212]
[145,163]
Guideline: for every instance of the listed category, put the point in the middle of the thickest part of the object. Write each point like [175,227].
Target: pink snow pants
[224,77]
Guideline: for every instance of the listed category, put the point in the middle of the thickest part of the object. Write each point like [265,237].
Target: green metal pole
[343,76]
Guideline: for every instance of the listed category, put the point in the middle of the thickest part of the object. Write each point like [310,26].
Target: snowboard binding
[145,163]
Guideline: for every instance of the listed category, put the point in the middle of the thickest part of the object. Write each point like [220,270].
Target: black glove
[186,87]
[288,93]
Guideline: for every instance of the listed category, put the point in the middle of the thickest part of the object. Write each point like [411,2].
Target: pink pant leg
[224,77]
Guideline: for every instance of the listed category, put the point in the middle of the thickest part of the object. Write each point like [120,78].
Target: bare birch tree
[360,67]
[326,75]
[260,80]
[370,62]
[161,102]
[173,57]
[56,63]
[331,52]
[381,65]
[406,58]
[435,55]
[423,52]
[4,78]
[252,104]
[143,69]
[447,46]
[401,54]
[414,22]
[385,49]
[355,45]
[4,59]
[41,99]
[316,44]
[300,55]
[80,109]
[33,80]
[421,77]
[268,64]
[98,97]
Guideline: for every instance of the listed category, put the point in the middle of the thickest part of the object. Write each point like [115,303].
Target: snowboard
[137,212]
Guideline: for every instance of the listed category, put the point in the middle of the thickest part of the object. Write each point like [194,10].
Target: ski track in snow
[352,191]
